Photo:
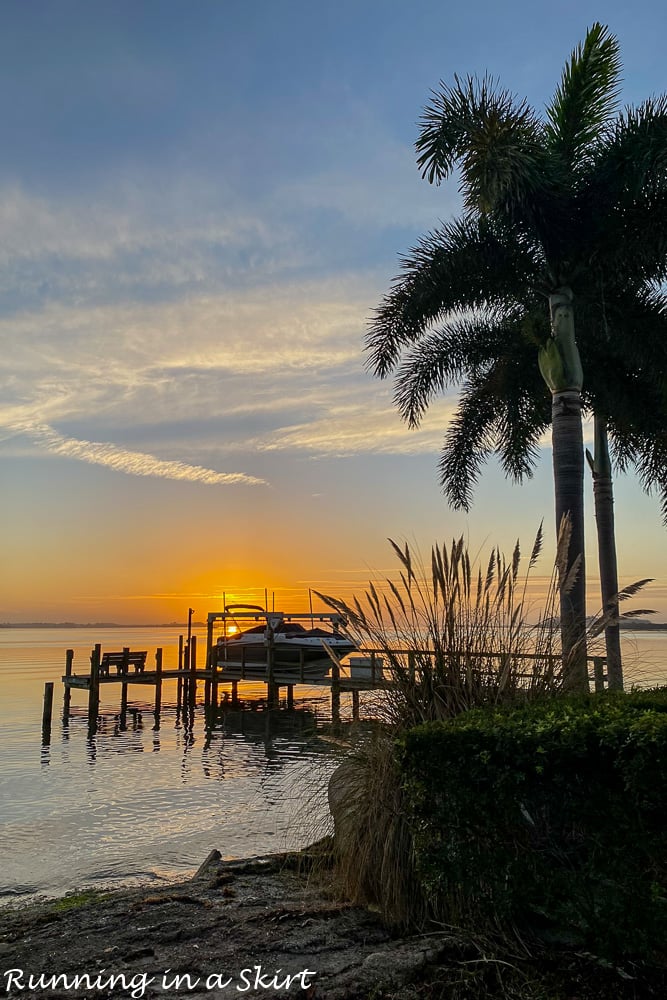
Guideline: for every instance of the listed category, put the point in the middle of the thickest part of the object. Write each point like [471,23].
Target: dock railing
[367,668]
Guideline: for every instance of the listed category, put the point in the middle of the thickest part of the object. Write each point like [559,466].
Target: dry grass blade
[537,547]
[632,589]
[571,577]
[563,546]
[467,645]
[395,591]
[403,556]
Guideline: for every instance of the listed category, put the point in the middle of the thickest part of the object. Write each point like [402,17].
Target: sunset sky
[201,204]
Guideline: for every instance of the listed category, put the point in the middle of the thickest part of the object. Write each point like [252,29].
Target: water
[145,805]
[142,805]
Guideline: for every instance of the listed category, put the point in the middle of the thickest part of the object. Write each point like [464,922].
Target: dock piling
[214,680]
[598,672]
[335,693]
[67,697]
[123,688]
[179,686]
[46,713]
[94,689]
[158,688]
[192,691]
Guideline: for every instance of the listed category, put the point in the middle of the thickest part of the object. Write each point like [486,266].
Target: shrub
[453,637]
[450,639]
[548,817]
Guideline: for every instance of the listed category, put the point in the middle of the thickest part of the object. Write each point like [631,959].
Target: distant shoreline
[102,625]
[625,626]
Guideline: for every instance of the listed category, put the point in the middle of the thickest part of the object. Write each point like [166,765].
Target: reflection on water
[138,803]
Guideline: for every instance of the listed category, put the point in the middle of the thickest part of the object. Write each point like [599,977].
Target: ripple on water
[137,804]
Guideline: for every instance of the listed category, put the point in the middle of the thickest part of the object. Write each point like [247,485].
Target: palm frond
[463,346]
[631,160]
[524,411]
[622,200]
[496,140]
[586,97]
[466,265]
[470,439]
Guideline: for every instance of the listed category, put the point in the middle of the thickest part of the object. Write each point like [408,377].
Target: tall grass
[453,635]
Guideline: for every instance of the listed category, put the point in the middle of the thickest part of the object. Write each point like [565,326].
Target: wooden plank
[76,681]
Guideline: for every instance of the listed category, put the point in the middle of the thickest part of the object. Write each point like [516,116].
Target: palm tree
[646,397]
[570,212]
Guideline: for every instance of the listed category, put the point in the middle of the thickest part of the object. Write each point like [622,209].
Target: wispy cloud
[133,463]
[277,369]
[218,367]
[359,429]
[127,219]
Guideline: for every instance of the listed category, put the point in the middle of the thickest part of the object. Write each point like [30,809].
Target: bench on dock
[122,662]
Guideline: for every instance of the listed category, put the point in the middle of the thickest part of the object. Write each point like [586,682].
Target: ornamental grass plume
[457,635]
[452,637]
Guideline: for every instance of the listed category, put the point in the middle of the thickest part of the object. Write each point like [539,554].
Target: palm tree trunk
[603,493]
[561,368]
[568,464]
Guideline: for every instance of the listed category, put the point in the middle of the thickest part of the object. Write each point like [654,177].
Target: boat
[296,650]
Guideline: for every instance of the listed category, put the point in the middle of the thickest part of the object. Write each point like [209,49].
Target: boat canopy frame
[273,619]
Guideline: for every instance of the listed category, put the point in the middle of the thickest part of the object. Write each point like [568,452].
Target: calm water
[146,805]
[142,804]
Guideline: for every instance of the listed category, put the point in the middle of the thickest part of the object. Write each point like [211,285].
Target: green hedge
[550,817]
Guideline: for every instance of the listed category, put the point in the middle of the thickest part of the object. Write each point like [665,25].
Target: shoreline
[275,926]
[231,919]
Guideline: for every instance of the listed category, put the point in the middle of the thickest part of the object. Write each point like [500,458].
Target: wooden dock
[130,667]
[212,677]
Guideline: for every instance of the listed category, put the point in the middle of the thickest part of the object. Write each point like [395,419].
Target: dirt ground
[254,928]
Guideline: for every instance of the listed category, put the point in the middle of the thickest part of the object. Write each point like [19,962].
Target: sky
[201,204]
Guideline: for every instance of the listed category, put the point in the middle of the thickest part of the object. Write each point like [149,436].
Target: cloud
[276,369]
[219,366]
[132,217]
[202,358]
[138,240]
[384,192]
[357,428]
[133,463]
